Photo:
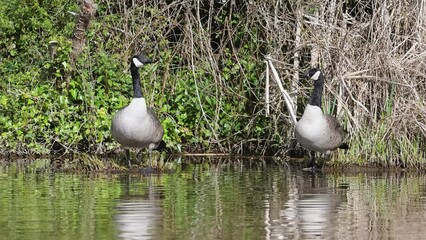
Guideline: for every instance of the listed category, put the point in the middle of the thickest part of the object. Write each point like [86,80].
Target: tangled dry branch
[373,54]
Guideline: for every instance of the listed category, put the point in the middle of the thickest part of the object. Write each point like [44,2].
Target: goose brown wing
[334,125]
[338,134]
[156,124]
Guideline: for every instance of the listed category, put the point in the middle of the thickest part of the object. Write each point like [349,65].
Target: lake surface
[209,199]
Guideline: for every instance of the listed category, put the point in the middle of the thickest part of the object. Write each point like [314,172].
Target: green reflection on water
[56,206]
[208,200]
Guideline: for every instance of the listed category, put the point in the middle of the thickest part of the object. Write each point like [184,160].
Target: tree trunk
[88,9]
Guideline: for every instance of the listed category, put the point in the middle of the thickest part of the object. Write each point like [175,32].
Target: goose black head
[140,60]
[313,73]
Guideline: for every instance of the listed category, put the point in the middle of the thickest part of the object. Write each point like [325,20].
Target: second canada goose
[136,125]
[316,131]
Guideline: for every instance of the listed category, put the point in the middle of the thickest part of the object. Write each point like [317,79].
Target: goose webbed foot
[149,170]
[313,169]
[312,165]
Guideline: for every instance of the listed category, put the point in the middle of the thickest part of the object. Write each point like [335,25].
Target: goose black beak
[305,75]
[153,61]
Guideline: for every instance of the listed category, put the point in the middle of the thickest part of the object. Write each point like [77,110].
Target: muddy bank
[162,163]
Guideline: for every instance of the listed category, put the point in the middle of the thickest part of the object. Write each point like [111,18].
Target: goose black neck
[317,92]
[137,90]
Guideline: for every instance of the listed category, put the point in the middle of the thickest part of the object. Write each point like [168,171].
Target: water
[210,199]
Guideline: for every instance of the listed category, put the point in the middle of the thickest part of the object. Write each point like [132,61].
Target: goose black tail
[162,147]
[344,146]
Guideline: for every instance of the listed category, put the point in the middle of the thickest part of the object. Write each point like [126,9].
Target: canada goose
[316,131]
[136,125]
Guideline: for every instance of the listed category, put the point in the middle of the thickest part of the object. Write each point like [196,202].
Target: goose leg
[312,163]
[139,156]
[128,157]
[149,169]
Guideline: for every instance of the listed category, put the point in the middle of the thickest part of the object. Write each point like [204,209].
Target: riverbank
[164,163]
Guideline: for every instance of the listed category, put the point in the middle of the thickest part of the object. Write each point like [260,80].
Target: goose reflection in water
[308,212]
[139,216]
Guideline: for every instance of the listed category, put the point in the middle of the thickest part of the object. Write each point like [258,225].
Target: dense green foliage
[39,114]
[33,112]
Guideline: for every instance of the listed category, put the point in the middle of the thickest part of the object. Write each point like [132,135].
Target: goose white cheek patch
[316,75]
[137,62]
